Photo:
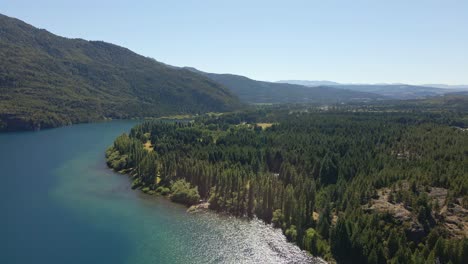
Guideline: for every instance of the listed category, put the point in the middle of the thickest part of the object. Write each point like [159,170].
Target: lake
[60,204]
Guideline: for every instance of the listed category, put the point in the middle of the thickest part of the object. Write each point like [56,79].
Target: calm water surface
[60,204]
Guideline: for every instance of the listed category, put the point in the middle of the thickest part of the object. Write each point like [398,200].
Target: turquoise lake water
[60,204]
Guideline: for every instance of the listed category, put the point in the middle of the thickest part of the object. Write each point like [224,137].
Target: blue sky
[373,41]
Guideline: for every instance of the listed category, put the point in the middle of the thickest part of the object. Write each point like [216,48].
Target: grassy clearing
[148,146]
[264,125]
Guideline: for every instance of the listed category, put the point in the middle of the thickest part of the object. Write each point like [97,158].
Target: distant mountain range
[253,91]
[331,83]
[446,86]
[393,91]
[48,81]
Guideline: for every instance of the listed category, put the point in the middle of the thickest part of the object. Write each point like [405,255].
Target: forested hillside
[48,81]
[351,185]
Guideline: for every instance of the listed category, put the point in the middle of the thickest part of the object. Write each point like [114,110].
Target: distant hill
[446,86]
[48,81]
[252,91]
[393,91]
[396,91]
[309,83]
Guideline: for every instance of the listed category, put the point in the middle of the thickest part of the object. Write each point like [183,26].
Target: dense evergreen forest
[49,81]
[351,184]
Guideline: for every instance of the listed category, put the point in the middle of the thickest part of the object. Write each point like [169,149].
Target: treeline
[315,175]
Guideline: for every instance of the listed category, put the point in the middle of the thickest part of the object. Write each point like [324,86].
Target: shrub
[278,218]
[183,193]
[291,233]
[163,190]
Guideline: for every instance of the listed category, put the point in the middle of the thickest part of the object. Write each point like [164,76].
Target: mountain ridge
[253,91]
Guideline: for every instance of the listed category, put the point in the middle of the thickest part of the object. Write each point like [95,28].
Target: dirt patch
[439,195]
[201,207]
[147,145]
[397,210]
[264,125]
[315,216]
[454,218]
